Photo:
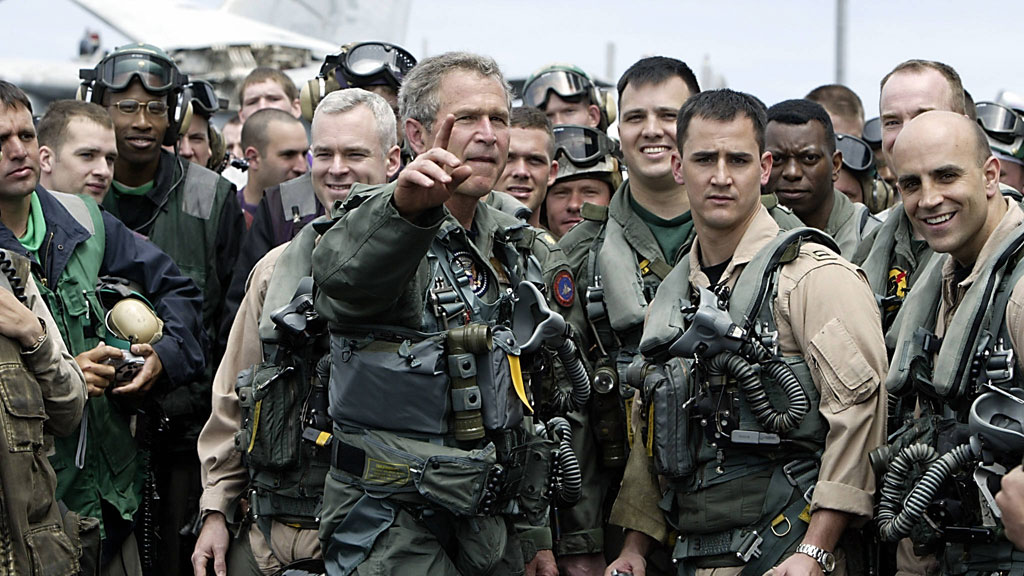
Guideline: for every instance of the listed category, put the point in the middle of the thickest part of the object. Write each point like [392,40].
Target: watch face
[829,562]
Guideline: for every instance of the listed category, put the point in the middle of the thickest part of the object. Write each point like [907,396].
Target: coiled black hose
[748,380]
[569,479]
[576,399]
[893,525]
[17,283]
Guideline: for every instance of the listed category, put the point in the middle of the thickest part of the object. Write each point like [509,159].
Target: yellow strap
[645,267]
[629,420]
[517,380]
[323,439]
[806,514]
[255,425]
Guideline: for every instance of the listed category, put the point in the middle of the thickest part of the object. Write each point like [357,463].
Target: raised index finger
[444,134]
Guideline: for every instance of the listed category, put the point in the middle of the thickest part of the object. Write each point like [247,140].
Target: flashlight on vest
[464,343]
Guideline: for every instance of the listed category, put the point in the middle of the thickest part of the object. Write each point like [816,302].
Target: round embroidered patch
[564,288]
[478,276]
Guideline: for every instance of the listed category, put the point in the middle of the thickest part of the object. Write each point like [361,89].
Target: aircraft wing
[337,21]
[179,25]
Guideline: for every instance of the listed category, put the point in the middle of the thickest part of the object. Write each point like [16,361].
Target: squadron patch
[564,289]
[897,283]
[479,278]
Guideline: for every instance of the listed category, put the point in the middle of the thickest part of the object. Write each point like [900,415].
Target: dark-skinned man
[99,473]
[724,485]
[805,166]
[192,214]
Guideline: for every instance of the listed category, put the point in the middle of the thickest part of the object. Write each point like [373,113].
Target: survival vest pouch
[670,395]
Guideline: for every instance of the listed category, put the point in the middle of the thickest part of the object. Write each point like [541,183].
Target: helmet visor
[1000,122]
[562,82]
[368,63]
[157,74]
[583,145]
[202,96]
[857,155]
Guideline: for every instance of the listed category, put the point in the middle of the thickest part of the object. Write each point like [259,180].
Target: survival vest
[736,486]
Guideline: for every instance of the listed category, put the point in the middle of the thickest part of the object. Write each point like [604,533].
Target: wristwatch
[824,558]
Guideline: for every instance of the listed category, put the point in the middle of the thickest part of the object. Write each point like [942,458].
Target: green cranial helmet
[582,151]
[568,82]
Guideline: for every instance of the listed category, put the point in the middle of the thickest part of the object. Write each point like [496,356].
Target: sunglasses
[562,82]
[153,107]
[857,155]
[583,145]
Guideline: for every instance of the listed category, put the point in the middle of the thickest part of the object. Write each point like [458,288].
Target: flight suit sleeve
[224,476]
[1015,320]
[636,507]
[364,263]
[177,299]
[844,348]
[256,242]
[60,379]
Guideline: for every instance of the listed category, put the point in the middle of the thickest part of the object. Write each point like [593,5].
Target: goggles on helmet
[1003,126]
[565,83]
[873,132]
[370,63]
[203,97]
[583,145]
[857,155]
[156,73]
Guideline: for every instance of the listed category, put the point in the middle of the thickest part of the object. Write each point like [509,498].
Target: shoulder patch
[822,255]
[564,289]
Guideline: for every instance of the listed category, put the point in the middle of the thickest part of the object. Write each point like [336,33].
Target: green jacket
[849,223]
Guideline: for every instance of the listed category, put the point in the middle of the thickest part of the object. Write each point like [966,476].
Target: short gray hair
[420,96]
[341,101]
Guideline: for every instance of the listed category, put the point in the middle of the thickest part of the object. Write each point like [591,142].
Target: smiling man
[969,301]
[727,483]
[805,166]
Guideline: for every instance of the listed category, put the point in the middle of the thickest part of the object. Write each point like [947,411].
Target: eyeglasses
[153,107]
[562,82]
[999,122]
[203,97]
[370,63]
[583,145]
[873,132]
[857,155]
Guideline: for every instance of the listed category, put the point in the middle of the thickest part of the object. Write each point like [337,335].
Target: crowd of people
[445,334]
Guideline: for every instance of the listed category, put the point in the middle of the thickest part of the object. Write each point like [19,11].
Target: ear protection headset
[356,65]
[154,69]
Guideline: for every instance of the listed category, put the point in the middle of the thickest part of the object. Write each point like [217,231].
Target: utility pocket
[501,407]
[52,552]
[395,386]
[270,396]
[457,483]
[24,413]
[847,378]
[670,396]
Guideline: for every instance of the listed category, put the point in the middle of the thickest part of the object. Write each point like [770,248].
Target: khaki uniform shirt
[224,476]
[826,313]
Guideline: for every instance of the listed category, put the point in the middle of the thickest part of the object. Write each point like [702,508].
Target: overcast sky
[776,50]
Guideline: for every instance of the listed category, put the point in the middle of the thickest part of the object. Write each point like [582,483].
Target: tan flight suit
[824,311]
[32,537]
[223,474]
[952,294]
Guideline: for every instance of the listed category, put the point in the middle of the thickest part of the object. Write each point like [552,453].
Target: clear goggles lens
[1000,122]
[562,82]
[368,62]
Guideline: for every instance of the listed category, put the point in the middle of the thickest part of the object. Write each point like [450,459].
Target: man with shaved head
[959,339]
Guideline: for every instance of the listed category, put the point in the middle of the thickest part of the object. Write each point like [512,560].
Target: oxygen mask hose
[577,374]
[569,481]
[748,380]
[893,525]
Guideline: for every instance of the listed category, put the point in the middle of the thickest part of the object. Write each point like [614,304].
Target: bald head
[949,181]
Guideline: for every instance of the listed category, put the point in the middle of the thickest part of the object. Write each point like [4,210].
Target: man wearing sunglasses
[805,166]
[1004,127]
[188,211]
[567,95]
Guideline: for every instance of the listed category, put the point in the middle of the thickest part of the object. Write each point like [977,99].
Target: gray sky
[775,50]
